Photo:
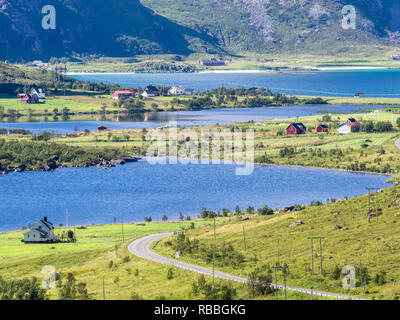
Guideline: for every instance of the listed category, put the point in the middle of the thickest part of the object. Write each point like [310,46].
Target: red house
[123,93]
[296,128]
[322,128]
[28,98]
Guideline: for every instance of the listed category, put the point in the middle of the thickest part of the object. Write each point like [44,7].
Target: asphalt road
[141,248]
[397,143]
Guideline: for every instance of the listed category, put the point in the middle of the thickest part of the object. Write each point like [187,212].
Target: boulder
[296,223]
[336,227]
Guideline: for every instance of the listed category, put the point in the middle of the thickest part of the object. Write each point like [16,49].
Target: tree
[384,126]
[181,217]
[170,273]
[164,218]
[237,210]
[250,210]
[368,126]
[265,211]
[336,273]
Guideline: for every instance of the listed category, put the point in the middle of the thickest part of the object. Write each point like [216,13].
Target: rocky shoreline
[52,164]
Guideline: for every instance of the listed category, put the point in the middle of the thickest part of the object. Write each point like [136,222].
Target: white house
[39,93]
[41,232]
[191,92]
[345,127]
[176,91]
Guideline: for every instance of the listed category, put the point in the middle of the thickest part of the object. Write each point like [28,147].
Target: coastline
[244,71]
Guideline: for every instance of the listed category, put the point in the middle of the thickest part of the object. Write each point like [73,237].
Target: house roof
[323,126]
[298,126]
[150,88]
[122,92]
[47,224]
[350,124]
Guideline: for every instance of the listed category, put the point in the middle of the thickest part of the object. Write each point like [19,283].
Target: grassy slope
[88,260]
[375,243]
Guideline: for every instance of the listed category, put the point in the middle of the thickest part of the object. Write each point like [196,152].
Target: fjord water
[183,118]
[374,83]
[135,190]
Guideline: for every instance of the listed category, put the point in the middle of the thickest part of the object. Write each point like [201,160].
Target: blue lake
[183,118]
[373,83]
[135,190]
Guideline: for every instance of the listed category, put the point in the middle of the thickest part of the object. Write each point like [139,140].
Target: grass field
[88,259]
[375,244]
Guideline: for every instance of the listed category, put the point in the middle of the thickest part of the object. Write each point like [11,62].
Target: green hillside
[348,239]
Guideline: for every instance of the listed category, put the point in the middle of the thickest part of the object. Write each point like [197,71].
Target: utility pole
[276,282]
[312,257]
[376,198]
[244,239]
[360,271]
[369,203]
[213,270]
[104,292]
[278,254]
[215,235]
[284,279]
[320,252]
[312,253]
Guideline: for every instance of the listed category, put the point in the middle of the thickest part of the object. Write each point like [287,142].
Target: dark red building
[322,128]
[296,128]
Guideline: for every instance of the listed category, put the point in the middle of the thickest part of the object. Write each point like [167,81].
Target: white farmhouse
[191,92]
[176,91]
[41,232]
[39,93]
[345,127]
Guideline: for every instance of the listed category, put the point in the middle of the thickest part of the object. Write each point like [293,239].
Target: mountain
[276,26]
[130,27]
[106,27]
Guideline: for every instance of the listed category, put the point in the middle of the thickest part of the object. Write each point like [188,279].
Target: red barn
[322,128]
[296,128]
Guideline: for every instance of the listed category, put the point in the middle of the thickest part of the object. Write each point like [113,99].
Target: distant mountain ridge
[106,27]
[131,27]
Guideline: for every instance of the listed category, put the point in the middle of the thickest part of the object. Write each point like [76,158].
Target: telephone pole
[276,282]
[278,254]
[215,235]
[244,239]
[369,203]
[284,279]
[312,257]
[213,270]
[104,292]
[312,253]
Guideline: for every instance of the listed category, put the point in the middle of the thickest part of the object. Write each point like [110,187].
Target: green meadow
[349,239]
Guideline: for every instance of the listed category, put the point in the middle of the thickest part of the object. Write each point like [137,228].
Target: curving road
[141,248]
[397,143]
